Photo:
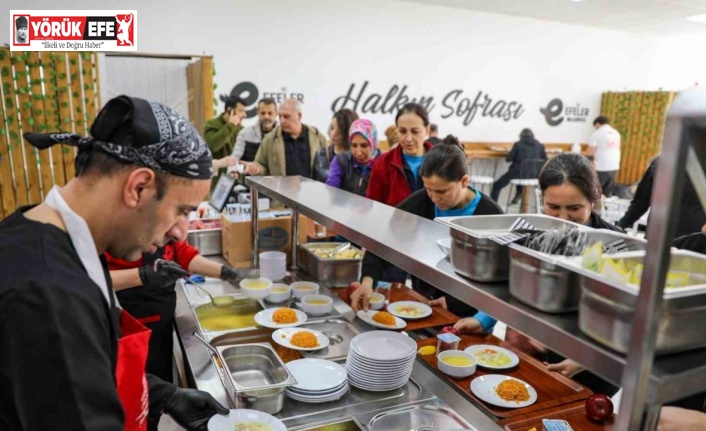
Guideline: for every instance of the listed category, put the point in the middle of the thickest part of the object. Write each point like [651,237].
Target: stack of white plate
[273,265]
[380,361]
[318,380]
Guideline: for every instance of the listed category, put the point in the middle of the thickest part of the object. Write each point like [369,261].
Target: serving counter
[425,393]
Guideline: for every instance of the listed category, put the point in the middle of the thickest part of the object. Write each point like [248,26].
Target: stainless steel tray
[537,280]
[332,272]
[419,418]
[607,306]
[338,330]
[475,255]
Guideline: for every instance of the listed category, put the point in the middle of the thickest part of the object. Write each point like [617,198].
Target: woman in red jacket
[396,173]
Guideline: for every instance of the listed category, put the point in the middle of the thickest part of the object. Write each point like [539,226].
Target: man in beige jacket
[290,148]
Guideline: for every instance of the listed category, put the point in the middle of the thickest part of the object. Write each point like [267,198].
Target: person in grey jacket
[249,139]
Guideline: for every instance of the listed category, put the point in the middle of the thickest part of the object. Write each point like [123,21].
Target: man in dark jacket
[691,217]
[527,152]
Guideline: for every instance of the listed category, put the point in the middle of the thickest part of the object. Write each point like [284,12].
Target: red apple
[598,408]
[450,330]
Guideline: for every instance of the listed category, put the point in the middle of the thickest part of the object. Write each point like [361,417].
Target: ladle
[218,301]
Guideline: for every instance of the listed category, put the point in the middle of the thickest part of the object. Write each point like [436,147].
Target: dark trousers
[500,184]
[607,180]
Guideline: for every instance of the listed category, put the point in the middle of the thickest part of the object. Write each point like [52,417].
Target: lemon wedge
[427,350]
[592,258]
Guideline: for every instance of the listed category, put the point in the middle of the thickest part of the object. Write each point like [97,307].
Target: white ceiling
[657,17]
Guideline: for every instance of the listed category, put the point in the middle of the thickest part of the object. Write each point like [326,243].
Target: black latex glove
[162,276]
[192,408]
[231,275]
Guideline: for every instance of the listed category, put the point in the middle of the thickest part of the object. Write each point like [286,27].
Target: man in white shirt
[604,148]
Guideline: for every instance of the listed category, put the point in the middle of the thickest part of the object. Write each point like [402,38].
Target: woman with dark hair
[446,192]
[569,188]
[351,170]
[338,137]
[524,150]
[396,173]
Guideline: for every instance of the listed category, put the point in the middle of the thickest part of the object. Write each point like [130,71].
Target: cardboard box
[275,235]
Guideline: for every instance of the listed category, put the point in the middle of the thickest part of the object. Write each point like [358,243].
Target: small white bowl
[455,370]
[248,288]
[377,301]
[277,297]
[301,289]
[317,309]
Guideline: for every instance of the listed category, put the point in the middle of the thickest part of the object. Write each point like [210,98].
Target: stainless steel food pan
[419,418]
[255,377]
[538,281]
[607,307]
[475,255]
[208,241]
[332,272]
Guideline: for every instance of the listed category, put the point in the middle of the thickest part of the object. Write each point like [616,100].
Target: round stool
[479,182]
[524,183]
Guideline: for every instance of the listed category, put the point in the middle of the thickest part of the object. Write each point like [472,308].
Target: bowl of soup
[256,288]
[377,301]
[317,304]
[280,293]
[456,363]
[301,289]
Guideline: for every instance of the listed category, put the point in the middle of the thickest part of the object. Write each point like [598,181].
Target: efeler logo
[555,113]
[251,95]
[552,113]
[57,30]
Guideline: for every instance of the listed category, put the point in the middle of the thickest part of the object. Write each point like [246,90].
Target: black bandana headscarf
[139,132]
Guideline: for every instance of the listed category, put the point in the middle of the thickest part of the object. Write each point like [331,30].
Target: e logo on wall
[250,94]
[555,113]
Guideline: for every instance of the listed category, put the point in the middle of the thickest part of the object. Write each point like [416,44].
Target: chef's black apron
[154,307]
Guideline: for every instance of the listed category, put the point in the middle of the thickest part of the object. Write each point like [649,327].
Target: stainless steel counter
[408,241]
[424,389]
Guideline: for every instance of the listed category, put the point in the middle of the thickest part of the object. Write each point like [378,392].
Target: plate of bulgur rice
[381,319]
[300,339]
[282,317]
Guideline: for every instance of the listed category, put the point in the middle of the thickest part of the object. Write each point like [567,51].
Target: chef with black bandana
[70,357]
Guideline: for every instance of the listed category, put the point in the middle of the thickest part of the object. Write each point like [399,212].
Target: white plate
[315,400]
[301,393]
[514,360]
[422,310]
[383,346]
[374,371]
[362,368]
[376,382]
[236,416]
[316,374]
[484,388]
[264,318]
[367,317]
[444,245]
[283,337]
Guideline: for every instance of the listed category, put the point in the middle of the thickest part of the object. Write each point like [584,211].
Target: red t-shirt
[180,252]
